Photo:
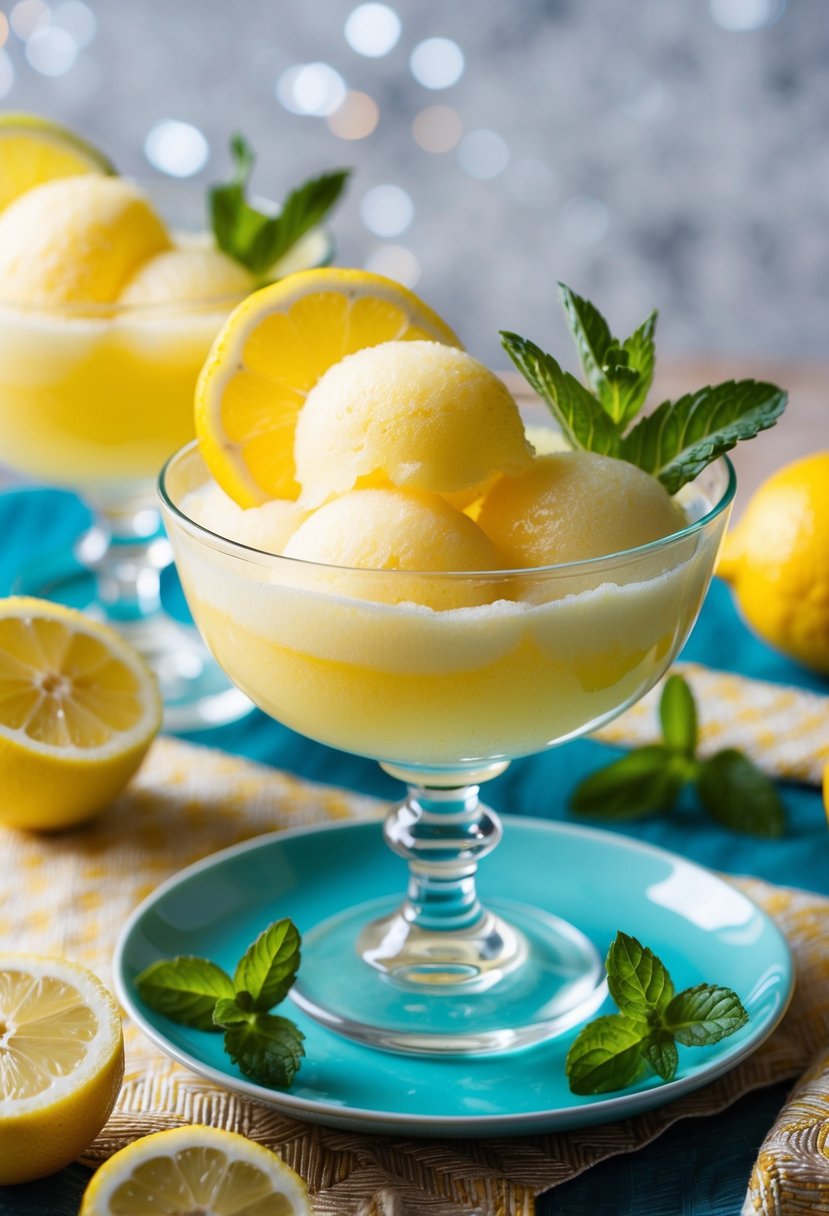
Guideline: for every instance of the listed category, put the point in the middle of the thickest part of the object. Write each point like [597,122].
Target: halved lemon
[273,349]
[78,710]
[61,1063]
[195,1169]
[35,150]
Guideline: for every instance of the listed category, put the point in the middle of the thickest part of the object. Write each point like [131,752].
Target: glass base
[197,695]
[371,975]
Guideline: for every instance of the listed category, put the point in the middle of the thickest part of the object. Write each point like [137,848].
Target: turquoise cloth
[38,526]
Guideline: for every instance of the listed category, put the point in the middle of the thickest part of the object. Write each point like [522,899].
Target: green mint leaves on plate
[615,1050]
[198,993]
[650,779]
[674,442]
[254,238]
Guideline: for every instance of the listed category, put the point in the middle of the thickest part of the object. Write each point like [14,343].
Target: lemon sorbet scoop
[76,240]
[415,414]
[400,530]
[573,505]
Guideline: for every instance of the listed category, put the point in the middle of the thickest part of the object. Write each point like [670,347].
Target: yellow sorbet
[573,505]
[416,414]
[76,240]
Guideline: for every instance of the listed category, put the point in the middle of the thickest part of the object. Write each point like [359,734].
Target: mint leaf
[619,373]
[704,1014]
[301,211]
[258,240]
[612,1051]
[266,1048]
[582,419]
[606,1055]
[641,352]
[636,978]
[661,1053]
[680,438]
[640,783]
[591,334]
[185,989]
[198,993]
[228,1013]
[739,795]
[678,716]
[268,967]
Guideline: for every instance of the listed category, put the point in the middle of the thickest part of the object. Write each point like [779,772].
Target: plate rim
[604,1109]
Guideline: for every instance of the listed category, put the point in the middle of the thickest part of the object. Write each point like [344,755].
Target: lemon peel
[776,560]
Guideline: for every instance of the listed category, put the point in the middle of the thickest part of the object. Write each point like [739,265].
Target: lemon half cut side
[34,150]
[78,710]
[195,1169]
[61,1064]
[273,349]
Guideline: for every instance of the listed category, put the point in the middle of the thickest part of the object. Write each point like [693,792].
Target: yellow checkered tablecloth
[70,894]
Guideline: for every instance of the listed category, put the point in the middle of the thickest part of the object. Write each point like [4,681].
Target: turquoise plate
[702,928]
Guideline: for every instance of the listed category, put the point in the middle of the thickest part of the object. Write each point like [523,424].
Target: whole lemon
[776,560]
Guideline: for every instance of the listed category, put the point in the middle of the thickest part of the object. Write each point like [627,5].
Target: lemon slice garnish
[35,150]
[273,349]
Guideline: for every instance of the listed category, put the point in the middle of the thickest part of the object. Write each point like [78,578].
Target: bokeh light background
[670,153]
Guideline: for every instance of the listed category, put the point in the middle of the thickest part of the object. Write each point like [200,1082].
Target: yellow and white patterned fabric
[784,730]
[70,894]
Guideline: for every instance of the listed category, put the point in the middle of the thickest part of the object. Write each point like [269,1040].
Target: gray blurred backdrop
[669,153]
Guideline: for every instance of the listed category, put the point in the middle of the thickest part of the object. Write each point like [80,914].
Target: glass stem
[442,833]
[126,550]
[441,935]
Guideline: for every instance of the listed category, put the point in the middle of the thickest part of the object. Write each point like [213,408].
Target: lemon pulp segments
[35,150]
[78,710]
[195,1169]
[63,688]
[46,1031]
[273,349]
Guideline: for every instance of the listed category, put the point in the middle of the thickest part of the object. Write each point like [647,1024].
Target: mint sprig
[647,780]
[258,240]
[674,442]
[197,992]
[615,1050]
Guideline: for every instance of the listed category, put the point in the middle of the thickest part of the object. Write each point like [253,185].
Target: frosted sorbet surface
[76,240]
[417,414]
[573,505]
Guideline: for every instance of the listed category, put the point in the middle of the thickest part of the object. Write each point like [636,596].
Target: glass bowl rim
[238,549]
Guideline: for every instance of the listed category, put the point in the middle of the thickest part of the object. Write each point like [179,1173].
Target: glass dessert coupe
[444,679]
[94,398]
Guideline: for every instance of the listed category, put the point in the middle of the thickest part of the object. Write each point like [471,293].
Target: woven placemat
[69,894]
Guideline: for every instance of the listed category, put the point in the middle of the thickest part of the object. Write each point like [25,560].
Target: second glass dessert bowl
[444,679]
[94,397]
